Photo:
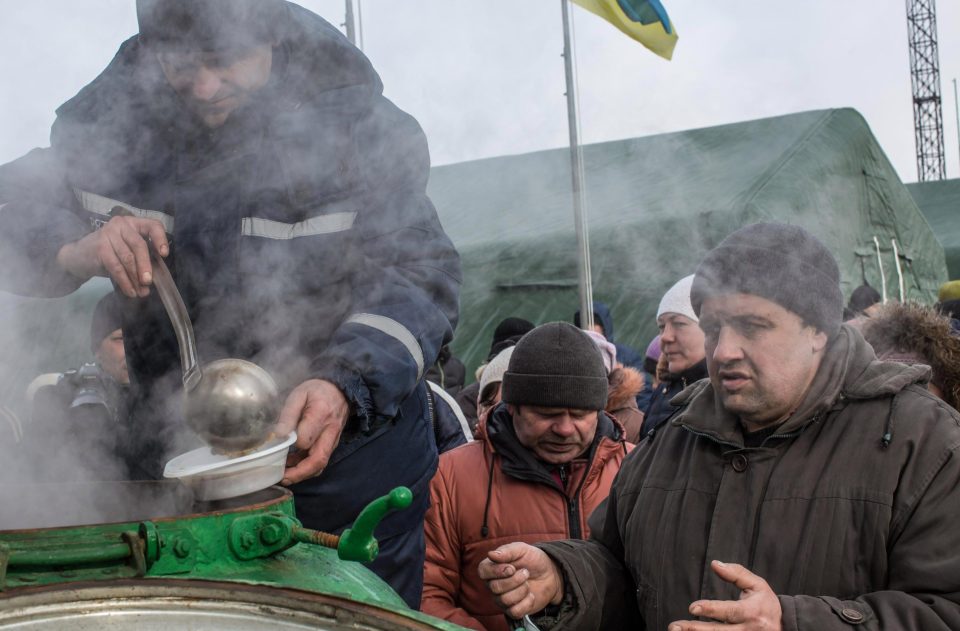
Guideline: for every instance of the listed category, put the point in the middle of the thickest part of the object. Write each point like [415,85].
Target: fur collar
[625,383]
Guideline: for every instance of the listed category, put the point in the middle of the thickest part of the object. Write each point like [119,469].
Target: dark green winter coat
[849,510]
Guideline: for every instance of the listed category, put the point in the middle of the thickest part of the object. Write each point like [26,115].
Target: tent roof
[940,204]
[657,204]
[669,174]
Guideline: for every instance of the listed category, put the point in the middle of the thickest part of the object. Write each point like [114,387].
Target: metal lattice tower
[925,77]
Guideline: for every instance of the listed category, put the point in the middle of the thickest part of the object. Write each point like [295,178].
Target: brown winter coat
[517,500]
[625,384]
[849,511]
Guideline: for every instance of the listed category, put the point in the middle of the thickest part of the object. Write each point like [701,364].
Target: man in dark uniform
[251,143]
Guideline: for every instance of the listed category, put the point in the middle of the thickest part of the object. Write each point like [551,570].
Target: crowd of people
[553,414]
[774,459]
[807,480]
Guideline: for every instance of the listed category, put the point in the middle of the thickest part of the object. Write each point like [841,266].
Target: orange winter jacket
[494,491]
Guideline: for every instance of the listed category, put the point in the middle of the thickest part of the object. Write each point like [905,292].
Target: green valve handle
[357,543]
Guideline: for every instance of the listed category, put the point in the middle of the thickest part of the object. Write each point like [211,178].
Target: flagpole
[956,110]
[584,281]
[350,24]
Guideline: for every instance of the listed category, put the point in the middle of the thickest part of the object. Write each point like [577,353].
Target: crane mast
[925,78]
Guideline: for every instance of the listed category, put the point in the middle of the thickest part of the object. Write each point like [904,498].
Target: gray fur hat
[779,262]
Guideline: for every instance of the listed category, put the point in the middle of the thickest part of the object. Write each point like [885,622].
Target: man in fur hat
[804,485]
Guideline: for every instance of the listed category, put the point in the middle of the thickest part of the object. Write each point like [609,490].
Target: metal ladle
[231,404]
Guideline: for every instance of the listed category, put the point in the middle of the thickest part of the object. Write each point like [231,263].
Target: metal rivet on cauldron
[108,570]
[181,547]
[247,540]
[270,535]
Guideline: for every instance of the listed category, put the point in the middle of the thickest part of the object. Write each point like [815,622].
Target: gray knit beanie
[779,262]
[556,365]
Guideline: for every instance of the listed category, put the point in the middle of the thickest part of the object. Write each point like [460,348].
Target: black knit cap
[208,25]
[863,297]
[556,365]
[779,262]
[106,320]
[507,334]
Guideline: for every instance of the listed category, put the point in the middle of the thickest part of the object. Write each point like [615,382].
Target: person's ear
[819,340]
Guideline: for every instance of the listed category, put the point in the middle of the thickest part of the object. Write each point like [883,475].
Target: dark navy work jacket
[302,240]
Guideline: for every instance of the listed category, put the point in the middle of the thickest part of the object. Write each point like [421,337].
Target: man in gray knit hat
[805,485]
[543,460]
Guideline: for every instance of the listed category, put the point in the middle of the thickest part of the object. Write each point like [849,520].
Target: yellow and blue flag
[643,20]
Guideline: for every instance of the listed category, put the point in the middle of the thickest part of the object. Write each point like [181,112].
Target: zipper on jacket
[573,513]
[433,415]
[573,501]
[573,509]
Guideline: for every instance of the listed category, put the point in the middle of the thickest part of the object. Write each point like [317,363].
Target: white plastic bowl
[217,476]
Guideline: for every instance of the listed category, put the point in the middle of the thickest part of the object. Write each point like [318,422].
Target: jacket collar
[692,374]
[519,462]
[849,370]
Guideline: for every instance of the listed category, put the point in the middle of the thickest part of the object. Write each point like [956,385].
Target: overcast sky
[485,78]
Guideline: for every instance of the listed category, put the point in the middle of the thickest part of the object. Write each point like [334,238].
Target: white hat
[677,300]
[607,350]
[493,371]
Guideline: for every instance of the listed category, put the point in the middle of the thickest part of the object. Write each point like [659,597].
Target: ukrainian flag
[644,20]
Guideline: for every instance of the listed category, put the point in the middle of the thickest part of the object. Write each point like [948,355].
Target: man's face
[554,435]
[112,357]
[681,341]
[214,84]
[761,357]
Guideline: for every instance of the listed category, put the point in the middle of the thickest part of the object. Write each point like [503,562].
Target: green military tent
[657,204]
[940,204]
